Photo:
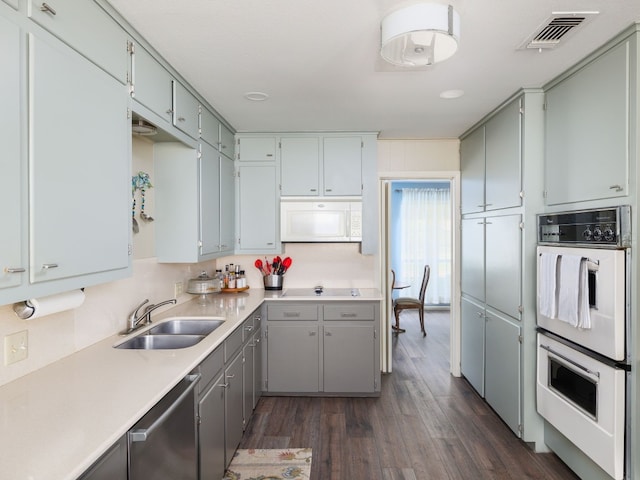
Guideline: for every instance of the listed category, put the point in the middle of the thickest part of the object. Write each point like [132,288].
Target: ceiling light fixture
[419,35]
[451,94]
[256,96]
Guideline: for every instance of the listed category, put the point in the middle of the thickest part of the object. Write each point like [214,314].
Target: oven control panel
[608,227]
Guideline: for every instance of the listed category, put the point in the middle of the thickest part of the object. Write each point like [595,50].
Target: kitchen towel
[40,307]
[547,281]
[572,291]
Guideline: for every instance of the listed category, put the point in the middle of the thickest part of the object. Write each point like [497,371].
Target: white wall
[106,307]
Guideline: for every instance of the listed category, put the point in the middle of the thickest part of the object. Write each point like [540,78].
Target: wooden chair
[406,303]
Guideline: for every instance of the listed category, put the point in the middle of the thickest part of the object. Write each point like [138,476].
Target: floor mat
[270,464]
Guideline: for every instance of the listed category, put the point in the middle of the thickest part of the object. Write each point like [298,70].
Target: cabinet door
[211,431]
[342,166]
[472,334]
[209,200]
[287,342]
[233,407]
[257,209]
[152,84]
[502,370]
[79,174]
[256,149]
[110,466]
[587,131]
[472,274]
[248,354]
[502,162]
[349,358]
[300,166]
[14,3]
[227,142]
[503,264]
[472,172]
[257,367]
[85,27]
[186,108]
[12,259]
[227,204]
[210,131]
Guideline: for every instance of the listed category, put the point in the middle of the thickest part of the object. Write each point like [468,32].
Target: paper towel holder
[25,309]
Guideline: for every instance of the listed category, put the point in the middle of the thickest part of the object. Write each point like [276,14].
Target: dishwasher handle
[141,434]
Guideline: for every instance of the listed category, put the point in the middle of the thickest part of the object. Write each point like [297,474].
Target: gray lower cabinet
[293,357]
[233,420]
[211,431]
[112,465]
[322,348]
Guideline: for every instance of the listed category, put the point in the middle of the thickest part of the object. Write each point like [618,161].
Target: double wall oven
[583,315]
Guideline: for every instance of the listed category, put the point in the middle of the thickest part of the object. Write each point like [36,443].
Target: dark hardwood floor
[425,425]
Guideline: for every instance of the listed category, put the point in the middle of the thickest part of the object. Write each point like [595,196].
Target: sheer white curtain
[425,238]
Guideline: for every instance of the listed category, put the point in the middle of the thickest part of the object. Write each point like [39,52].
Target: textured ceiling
[319,61]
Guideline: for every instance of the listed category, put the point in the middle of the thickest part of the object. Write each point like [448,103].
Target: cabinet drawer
[210,367]
[349,312]
[292,312]
[233,343]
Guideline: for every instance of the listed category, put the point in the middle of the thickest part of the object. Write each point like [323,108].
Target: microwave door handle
[572,362]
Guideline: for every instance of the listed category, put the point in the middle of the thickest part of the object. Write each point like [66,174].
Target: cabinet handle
[45,7]
[230,376]
[313,190]
[181,119]
[14,270]
[292,314]
[269,154]
[269,243]
[327,334]
[224,385]
[248,328]
[170,111]
[617,188]
[48,266]
[328,190]
[257,341]
[312,334]
[348,315]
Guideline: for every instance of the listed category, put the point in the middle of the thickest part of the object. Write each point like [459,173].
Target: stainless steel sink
[184,326]
[160,342]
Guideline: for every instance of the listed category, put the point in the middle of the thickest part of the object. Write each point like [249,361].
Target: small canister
[273,282]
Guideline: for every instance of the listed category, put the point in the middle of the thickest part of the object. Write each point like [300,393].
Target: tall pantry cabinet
[501,162]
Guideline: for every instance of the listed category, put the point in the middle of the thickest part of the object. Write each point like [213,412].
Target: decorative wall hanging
[141,183]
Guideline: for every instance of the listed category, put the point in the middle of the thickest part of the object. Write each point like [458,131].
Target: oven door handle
[572,362]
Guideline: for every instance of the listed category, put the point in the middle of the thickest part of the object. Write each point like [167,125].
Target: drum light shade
[419,35]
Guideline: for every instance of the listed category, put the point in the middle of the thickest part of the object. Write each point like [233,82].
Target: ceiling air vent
[556,29]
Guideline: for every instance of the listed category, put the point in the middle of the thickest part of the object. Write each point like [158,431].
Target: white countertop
[58,420]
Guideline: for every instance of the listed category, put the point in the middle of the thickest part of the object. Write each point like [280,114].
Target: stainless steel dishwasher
[163,443]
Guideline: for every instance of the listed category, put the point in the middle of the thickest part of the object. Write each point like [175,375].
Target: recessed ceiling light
[256,96]
[448,94]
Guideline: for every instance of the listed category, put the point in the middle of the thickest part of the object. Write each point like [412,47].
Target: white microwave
[320,220]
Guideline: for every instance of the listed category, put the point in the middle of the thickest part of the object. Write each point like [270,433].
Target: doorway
[409,265]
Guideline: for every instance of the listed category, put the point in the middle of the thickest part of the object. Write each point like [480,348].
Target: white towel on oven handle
[573,293]
[547,281]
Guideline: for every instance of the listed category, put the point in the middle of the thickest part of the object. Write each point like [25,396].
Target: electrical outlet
[178,289]
[16,347]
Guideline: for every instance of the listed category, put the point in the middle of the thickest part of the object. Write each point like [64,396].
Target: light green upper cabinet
[227,204]
[342,166]
[209,205]
[502,157]
[210,128]
[300,166]
[472,172]
[84,26]
[13,262]
[79,167]
[152,84]
[227,142]
[256,149]
[186,111]
[490,162]
[258,209]
[472,251]
[587,129]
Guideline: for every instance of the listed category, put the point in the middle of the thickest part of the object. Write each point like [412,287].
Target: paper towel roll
[39,307]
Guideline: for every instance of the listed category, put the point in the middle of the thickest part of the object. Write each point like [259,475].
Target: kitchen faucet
[136,321]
